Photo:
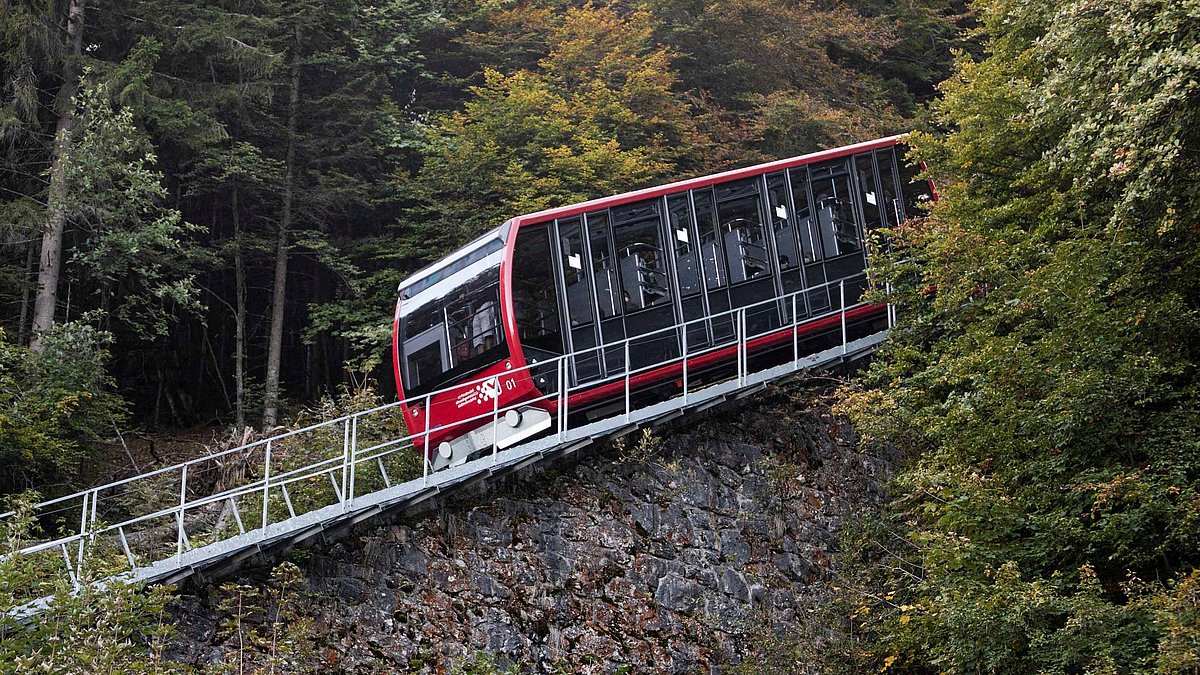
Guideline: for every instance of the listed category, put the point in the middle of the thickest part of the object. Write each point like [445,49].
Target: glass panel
[425,363]
[488,247]
[452,333]
[604,273]
[810,242]
[742,233]
[687,263]
[639,249]
[893,209]
[579,290]
[711,256]
[474,322]
[916,192]
[535,298]
[782,222]
[835,215]
[830,167]
[865,166]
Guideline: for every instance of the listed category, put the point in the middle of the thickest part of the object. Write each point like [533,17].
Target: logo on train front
[484,391]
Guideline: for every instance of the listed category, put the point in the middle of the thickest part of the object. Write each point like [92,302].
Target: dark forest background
[205,207]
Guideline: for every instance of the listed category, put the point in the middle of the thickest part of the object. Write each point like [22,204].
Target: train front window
[453,328]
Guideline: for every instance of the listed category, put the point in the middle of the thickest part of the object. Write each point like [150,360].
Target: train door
[711,250]
[646,292]
[782,217]
[816,301]
[536,304]
[578,300]
[606,285]
[837,219]
[684,244]
[747,252]
[873,204]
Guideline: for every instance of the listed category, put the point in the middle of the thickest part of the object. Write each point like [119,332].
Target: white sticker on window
[682,234]
[781,212]
[871,198]
[575,261]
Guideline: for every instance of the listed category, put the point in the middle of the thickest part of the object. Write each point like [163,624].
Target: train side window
[579,290]
[712,258]
[535,299]
[604,274]
[917,195]
[783,222]
[742,231]
[869,193]
[810,240]
[687,263]
[893,208]
[835,215]
[637,234]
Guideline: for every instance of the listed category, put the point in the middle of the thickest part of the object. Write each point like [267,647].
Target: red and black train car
[485,328]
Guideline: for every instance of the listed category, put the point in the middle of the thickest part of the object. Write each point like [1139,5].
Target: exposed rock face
[661,559]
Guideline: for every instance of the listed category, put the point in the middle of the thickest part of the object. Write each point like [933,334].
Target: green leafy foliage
[53,404]
[596,116]
[112,628]
[262,627]
[1043,383]
[133,251]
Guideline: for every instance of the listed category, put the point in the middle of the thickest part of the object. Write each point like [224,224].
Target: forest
[206,206]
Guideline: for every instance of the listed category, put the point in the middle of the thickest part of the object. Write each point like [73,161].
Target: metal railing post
[627,392]
[795,332]
[345,456]
[741,345]
[842,292]
[353,458]
[496,419]
[685,362]
[266,483]
[179,514]
[83,514]
[425,443]
[566,397]
[891,309]
[95,499]
[562,397]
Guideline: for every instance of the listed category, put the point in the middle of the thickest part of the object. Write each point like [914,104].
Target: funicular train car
[623,283]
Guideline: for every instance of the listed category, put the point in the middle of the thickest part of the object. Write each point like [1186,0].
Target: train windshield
[451,328]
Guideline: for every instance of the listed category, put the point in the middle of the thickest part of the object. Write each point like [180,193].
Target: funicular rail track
[204,521]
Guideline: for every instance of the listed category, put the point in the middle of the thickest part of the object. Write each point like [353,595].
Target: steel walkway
[211,513]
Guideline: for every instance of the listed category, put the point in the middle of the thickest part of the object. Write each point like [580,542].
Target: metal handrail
[351,457]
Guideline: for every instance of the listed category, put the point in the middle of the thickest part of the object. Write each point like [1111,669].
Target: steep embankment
[669,555]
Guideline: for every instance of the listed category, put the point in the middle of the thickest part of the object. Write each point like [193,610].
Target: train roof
[453,262]
[484,244]
[705,181]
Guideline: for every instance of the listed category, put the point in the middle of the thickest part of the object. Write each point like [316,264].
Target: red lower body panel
[649,378]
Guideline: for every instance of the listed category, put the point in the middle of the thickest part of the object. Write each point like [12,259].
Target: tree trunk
[275,345]
[239,344]
[52,236]
[26,293]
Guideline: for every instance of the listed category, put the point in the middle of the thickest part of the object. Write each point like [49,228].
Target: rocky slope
[677,552]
